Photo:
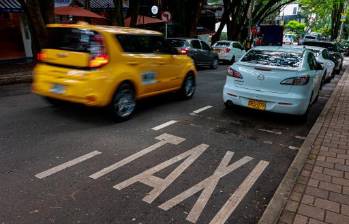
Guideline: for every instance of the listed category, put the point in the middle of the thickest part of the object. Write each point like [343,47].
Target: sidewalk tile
[310,211]
[326,204]
[300,219]
[335,218]
[330,187]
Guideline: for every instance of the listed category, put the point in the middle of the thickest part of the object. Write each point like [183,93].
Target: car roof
[281,48]
[183,38]
[310,47]
[319,41]
[109,29]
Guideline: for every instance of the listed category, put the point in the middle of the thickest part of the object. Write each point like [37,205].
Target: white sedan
[323,57]
[229,51]
[277,79]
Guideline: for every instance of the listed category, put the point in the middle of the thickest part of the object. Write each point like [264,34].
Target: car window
[143,44]
[205,46]
[236,45]
[312,61]
[274,58]
[177,42]
[196,44]
[325,54]
[222,44]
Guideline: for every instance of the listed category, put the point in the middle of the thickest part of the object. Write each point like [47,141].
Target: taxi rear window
[142,44]
[71,39]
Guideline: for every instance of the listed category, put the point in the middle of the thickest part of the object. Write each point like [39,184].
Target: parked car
[229,51]
[198,50]
[277,79]
[110,67]
[334,52]
[323,57]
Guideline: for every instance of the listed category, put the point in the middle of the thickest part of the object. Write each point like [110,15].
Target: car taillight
[296,81]
[184,50]
[227,50]
[233,73]
[41,56]
[99,56]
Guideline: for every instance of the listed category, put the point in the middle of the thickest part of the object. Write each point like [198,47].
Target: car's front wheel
[214,64]
[124,103]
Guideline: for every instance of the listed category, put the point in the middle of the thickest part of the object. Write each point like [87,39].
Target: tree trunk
[118,15]
[336,17]
[134,12]
[195,18]
[47,10]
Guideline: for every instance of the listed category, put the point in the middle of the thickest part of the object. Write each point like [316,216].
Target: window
[143,44]
[177,42]
[196,44]
[312,61]
[273,58]
[238,46]
[205,46]
[222,44]
[325,54]
[295,11]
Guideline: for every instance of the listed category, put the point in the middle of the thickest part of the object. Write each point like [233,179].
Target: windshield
[176,42]
[273,58]
[222,44]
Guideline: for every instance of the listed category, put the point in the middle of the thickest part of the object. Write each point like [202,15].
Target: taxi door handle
[160,63]
[132,63]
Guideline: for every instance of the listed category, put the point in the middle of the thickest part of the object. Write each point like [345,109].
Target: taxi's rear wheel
[188,87]
[124,102]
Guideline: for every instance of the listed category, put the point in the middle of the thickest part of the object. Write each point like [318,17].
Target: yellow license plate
[256,104]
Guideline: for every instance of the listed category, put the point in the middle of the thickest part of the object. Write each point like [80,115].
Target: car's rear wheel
[214,64]
[188,87]
[124,103]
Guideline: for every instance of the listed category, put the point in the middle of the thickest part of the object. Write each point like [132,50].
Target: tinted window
[73,39]
[312,61]
[176,42]
[273,58]
[222,44]
[143,44]
[310,37]
[325,54]
[205,46]
[196,44]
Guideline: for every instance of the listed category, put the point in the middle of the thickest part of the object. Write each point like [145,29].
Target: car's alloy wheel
[123,105]
[188,87]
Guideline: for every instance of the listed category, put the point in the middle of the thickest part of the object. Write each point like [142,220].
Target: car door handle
[132,63]
[160,62]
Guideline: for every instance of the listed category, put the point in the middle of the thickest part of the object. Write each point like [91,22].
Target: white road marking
[232,203]
[164,139]
[293,147]
[161,126]
[207,187]
[65,165]
[300,137]
[270,131]
[158,184]
[268,142]
[202,109]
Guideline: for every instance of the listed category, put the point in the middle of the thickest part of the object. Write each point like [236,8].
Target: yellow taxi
[113,67]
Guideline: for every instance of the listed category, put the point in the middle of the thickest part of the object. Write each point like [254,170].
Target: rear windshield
[310,37]
[222,44]
[176,42]
[274,58]
[72,39]
[328,46]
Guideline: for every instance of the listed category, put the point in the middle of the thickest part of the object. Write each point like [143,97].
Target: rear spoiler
[268,67]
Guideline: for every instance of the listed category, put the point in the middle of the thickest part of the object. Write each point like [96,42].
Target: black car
[333,49]
[198,50]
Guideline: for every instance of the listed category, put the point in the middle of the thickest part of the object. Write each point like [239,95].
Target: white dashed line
[268,142]
[202,109]
[300,137]
[270,131]
[161,126]
[293,147]
[68,164]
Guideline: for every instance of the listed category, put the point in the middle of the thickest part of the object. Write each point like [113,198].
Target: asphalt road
[52,159]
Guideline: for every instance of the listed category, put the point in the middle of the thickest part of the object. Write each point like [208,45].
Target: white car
[229,51]
[323,57]
[277,79]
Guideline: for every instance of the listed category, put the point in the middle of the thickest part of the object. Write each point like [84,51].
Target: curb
[276,205]
[14,78]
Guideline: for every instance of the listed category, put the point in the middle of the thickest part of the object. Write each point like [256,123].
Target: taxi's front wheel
[124,103]
[188,87]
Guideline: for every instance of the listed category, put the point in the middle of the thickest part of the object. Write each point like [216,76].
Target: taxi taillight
[41,56]
[99,56]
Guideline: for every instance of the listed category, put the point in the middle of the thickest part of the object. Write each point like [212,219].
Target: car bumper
[225,57]
[289,103]
[84,88]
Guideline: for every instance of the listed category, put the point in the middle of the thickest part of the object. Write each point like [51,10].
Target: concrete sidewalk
[315,189]
[16,72]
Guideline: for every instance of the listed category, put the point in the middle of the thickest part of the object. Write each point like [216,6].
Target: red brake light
[99,56]
[234,73]
[227,50]
[296,81]
[41,56]
[184,50]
